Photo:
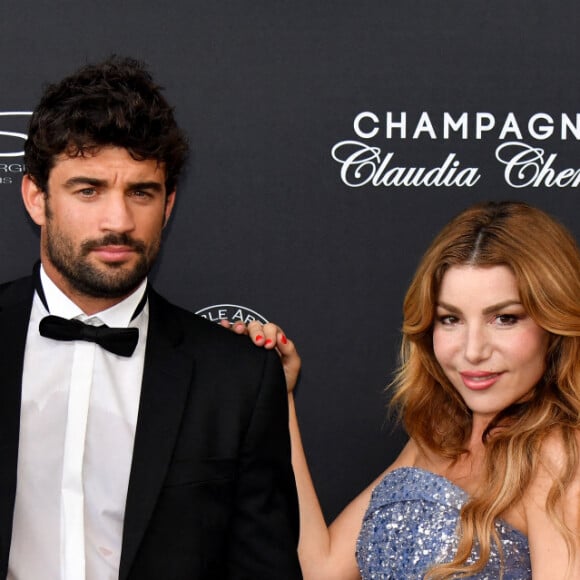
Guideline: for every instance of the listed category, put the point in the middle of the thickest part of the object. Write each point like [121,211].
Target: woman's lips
[479,380]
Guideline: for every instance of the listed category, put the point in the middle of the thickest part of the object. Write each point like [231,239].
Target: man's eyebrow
[151,185]
[82,180]
[95,182]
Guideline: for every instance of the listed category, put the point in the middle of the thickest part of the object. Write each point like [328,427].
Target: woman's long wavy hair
[545,260]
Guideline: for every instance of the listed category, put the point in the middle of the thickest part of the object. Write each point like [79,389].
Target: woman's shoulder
[556,474]
[552,504]
[559,456]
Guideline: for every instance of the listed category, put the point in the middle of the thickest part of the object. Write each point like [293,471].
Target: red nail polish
[268,342]
[284,339]
[259,337]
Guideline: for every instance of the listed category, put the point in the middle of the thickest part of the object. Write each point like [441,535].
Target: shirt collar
[119,315]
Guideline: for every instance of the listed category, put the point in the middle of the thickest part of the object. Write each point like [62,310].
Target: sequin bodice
[410,525]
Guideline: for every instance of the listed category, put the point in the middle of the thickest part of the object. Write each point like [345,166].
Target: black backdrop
[265,218]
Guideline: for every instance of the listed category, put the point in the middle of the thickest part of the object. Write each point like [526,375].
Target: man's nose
[117,214]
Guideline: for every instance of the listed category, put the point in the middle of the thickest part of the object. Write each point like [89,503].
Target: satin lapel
[15,304]
[166,380]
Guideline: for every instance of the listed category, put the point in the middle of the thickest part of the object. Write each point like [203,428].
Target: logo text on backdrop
[13,134]
[366,161]
[231,312]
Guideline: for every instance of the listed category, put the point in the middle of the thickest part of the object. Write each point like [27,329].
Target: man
[154,450]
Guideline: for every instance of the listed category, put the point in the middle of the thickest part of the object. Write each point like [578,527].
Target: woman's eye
[448,319]
[506,319]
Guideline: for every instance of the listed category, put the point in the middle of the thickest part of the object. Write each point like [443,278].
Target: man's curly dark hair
[113,103]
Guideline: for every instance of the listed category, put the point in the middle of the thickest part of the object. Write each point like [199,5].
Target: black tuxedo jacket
[211,491]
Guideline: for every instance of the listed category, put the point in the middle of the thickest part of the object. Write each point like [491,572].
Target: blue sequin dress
[410,525]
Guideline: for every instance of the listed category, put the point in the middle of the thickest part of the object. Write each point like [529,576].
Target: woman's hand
[271,336]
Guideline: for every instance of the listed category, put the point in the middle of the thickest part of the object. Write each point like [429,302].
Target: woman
[488,485]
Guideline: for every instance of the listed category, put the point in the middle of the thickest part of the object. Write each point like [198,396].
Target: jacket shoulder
[16,291]
[204,334]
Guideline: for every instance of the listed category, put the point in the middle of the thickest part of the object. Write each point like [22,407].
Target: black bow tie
[121,341]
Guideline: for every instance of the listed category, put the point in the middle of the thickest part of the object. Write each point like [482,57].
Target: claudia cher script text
[525,166]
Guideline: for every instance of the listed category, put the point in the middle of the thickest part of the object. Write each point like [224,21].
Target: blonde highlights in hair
[545,261]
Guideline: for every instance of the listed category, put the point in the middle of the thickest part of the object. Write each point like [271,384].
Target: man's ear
[169,203]
[34,200]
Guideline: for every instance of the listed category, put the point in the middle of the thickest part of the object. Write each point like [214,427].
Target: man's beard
[112,280]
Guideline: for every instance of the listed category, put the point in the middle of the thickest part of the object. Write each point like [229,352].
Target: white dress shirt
[77,429]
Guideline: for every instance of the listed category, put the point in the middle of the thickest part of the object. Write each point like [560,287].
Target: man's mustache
[113,240]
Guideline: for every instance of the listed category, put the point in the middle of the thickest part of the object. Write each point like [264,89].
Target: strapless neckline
[411,525]
[460,496]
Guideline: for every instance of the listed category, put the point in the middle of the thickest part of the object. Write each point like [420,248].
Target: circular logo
[231,312]
[13,132]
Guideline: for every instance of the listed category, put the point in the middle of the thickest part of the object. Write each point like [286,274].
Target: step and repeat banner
[330,142]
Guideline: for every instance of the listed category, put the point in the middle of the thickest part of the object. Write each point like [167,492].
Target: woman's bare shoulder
[548,548]
[556,456]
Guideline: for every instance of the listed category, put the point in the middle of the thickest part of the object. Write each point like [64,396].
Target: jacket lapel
[167,376]
[15,304]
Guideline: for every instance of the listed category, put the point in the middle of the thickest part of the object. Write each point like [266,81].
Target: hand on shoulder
[270,336]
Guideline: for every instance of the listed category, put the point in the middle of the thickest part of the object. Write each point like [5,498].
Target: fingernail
[259,337]
[284,339]
[268,341]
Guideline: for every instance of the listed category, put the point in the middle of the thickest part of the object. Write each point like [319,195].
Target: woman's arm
[325,552]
